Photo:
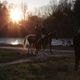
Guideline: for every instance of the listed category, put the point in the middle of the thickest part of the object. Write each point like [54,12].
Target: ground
[58,66]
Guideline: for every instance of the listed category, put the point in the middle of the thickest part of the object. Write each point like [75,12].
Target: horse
[45,41]
[41,42]
[30,41]
[76,43]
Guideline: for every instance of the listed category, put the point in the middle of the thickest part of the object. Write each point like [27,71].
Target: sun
[16,15]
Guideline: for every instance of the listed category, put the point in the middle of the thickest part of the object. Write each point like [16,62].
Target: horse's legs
[31,50]
[28,49]
[50,48]
[37,48]
[44,47]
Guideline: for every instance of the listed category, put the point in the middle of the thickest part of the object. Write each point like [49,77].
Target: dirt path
[25,49]
[43,55]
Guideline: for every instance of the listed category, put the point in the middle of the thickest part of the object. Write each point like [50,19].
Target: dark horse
[41,42]
[76,42]
[45,41]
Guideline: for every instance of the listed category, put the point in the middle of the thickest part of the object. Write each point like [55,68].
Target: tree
[61,19]
[77,11]
[4,14]
[34,21]
[4,18]
[24,10]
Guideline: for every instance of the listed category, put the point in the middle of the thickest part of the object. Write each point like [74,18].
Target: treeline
[63,19]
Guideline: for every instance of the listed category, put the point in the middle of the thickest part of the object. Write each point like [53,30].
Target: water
[13,41]
[16,41]
[63,41]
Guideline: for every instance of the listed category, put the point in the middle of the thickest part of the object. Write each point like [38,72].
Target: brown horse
[45,41]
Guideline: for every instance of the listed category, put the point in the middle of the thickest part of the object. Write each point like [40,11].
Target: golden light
[16,15]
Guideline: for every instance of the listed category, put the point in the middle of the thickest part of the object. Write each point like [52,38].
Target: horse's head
[31,38]
[52,35]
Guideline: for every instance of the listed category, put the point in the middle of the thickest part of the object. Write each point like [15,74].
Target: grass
[52,69]
[55,68]
[7,56]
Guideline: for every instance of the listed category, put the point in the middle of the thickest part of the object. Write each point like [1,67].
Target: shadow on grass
[52,69]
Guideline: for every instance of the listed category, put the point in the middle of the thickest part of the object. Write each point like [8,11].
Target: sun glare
[15,42]
[16,15]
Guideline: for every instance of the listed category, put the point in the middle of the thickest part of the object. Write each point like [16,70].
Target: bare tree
[24,9]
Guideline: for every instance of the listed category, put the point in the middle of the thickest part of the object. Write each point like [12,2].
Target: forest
[62,19]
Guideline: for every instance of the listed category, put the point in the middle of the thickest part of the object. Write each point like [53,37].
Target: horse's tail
[25,42]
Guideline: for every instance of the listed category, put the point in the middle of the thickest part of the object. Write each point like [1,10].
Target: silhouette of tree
[4,18]
[61,20]
[77,11]
[24,10]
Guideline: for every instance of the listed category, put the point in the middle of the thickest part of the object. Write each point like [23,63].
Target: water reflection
[16,42]
[12,41]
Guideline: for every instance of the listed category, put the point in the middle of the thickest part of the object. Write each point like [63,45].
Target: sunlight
[16,15]
[15,42]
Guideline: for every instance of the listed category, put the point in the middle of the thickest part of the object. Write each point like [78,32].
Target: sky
[31,4]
